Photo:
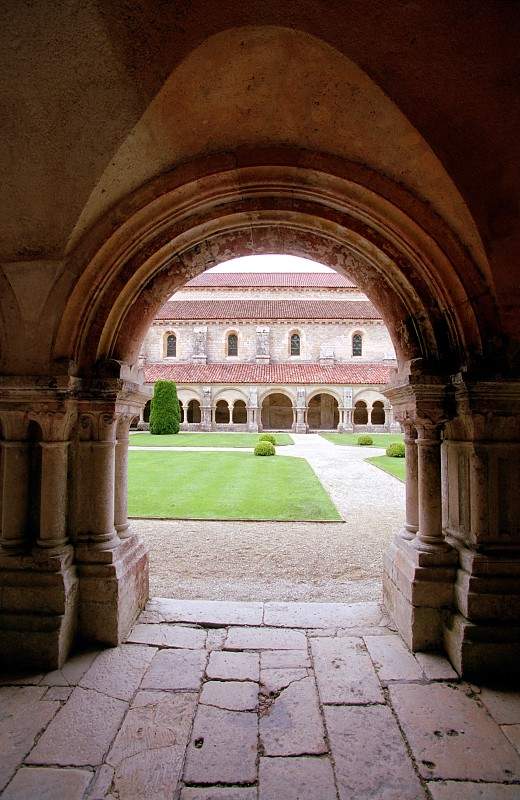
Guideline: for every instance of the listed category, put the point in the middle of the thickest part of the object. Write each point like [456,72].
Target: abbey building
[273,351]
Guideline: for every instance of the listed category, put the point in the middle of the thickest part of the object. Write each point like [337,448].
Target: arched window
[193,411]
[232,344]
[377,417]
[239,415]
[357,344]
[360,413]
[171,345]
[295,344]
[222,412]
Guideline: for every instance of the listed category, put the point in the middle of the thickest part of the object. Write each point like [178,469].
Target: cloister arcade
[425,221]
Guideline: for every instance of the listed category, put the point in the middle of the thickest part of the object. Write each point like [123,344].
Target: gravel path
[286,560]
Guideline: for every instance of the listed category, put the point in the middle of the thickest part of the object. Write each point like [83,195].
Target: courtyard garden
[394,466]
[200,439]
[225,485]
[381,440]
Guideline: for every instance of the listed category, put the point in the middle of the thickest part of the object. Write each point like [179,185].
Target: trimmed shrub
[395,450]
[365,440]
[265,449]
[267,437]
[165,412]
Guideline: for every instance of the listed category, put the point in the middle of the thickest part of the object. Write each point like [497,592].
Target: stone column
[15,495]
[412,489]
[429,537]
[206,417]
[53,535]
[121,477]
[300,425]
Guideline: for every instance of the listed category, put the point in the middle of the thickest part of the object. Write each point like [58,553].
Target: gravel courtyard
[286,561]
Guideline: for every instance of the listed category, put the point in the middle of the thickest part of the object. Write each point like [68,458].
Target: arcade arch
[277,412]
[323,412]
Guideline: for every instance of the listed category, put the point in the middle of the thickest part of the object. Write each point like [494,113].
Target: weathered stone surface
[215,638]
[392,659]
[223,747]
[283,659]
[265,639]
[207,612]
[81,732]
[344,672]
[72,671]
[436,667]
[234,666]
[58,692]
[164,635]
[118,671]
[21,679]
[451,736]
[305,778]
[219,793]
[467,790]
[175,669]
[369,754]
[502,704]
[148,752]
[322,615]
[291,723]
[272,680]
[48,784]
[102,783]
[513,734]
[233,695]
[23,714]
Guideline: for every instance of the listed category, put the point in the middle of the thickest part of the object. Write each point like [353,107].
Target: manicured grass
[350,439]
[186,439]
[394,466]
[190,485]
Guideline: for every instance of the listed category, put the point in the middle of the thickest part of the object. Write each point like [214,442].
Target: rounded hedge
[165,412]
[267,437]
[366,440]
[265,449]
[395,450]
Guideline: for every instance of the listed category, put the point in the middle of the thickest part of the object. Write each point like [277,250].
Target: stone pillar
[206,411]
[412,489]
[429,538]
[15,496]
[300,425]
[121,523]
[54,496]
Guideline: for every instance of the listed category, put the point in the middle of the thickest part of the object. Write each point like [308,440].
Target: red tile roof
[267,309]
[295,280]
[269,373]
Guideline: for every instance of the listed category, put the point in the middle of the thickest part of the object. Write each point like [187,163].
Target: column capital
[97,426]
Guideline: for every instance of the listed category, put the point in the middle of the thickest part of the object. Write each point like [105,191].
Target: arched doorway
[193,412]
[323,412]
[222,413]
[360,413]
[277,412]
[377,415]
[239,412]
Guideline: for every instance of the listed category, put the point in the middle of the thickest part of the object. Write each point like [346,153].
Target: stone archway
[360,416]
[377,414]
[193,415]
[323,412]
[239,415]
[277,412]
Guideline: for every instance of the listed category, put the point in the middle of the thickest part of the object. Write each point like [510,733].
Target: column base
[481,651]
[38,609]
[300,427]
[418,592]
[113,589]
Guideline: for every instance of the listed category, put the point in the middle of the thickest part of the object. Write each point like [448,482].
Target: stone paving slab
[223,747]
[165,635]
[231,695]
[502,704]
[44,783]
[291,723]
[392,659]
[283,659]
[305,778]
[81,732]
[175,669]
[23,714]
[274,680]
[265,639]
[370,755]
[436,667]
[207,612]
[513,734]
[451,736]
[118,671]
[71,672]
[219,793]
[344,672]
[234,666]
[148,752]
[322,615]
[459,790]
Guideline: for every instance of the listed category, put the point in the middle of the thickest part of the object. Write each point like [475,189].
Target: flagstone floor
[257,701]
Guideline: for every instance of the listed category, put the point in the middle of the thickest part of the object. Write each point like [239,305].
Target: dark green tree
[165,412]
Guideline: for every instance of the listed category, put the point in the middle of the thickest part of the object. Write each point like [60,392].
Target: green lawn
[394,466]
[350,439]
[189,485]
[185,439]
